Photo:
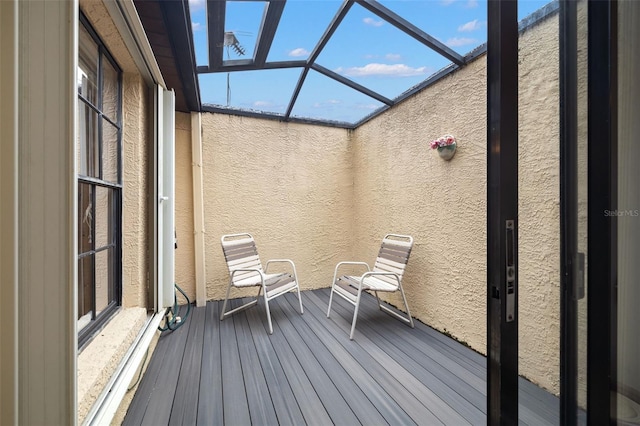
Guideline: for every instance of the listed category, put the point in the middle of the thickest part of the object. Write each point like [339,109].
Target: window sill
[101,357]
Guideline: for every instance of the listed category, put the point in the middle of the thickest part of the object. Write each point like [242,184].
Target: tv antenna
[231,42]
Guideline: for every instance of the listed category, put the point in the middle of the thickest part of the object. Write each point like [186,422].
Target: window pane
[104,217]
[87,66]
[109,90]
[110,151]
[104,279]
[85,290]
[87,148]
[85,215]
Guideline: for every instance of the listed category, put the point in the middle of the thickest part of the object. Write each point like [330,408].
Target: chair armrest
[335,273]
[290,262]
[371,274]
[233,272]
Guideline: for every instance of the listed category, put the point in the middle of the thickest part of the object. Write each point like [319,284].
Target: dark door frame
[502,212]
[601,227]
[570,263]
[602,191]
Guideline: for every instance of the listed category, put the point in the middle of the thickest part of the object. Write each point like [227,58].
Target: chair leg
[406,305]
[300,300]
[224,305]
[224,312]
[266,306]
[378,299]
[330,300]
[355,314]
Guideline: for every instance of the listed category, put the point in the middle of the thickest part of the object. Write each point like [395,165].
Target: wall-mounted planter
[447,152]
[446,146]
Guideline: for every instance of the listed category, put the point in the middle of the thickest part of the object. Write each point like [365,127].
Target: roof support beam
[352,84]
[268,26]
[342,12]
[249,65]
[333,26]
[296,92]
[215,31]
[410,29]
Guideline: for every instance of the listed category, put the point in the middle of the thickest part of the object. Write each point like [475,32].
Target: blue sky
[364,48]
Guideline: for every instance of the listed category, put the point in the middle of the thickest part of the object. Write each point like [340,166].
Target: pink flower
[442,141]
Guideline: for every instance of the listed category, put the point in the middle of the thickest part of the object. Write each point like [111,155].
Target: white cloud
[392,56]
[472,4]
[327,104]
[300,51]
[373,22]
[396,70]
[262,104]
[196,4]
[470,26]
[460,41]
[446,2]
[196,26]
[368,107]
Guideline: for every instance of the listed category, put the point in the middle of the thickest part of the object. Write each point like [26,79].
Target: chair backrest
[393,256]
[240,252]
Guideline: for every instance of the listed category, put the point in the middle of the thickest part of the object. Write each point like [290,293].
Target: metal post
[502,213]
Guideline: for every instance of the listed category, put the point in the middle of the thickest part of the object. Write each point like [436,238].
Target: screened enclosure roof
[330,62]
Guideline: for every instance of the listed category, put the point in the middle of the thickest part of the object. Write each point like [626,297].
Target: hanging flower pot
[446,146]
[446,152]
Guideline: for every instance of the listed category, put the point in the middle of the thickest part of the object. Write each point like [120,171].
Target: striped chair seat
[386,276]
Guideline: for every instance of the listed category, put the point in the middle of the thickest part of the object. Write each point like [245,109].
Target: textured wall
[185,256]
[539,206]
[403,186]
[290,185]
[135,191]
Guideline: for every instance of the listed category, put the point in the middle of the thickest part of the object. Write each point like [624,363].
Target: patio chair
[386,276]
[245,270]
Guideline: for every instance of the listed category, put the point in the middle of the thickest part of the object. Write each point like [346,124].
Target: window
[99,165]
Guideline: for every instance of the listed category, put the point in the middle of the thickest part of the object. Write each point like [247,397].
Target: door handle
[510,254]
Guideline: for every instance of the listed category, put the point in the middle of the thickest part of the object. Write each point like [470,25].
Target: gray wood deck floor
[308,372]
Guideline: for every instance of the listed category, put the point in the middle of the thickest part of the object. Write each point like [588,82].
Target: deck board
[213,372]
[210,407]
[234,394]
[279,389]
[362,407]
[415,366]
[186,395]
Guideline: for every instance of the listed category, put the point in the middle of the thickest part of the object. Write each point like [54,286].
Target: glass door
[600,204]
[627,214]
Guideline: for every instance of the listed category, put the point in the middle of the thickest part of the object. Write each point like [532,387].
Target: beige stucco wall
[319,195]
[403,186]
[290,185]
[185,255]
[539,206]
